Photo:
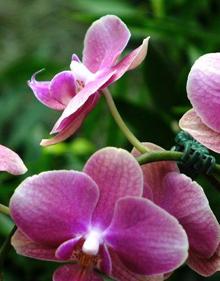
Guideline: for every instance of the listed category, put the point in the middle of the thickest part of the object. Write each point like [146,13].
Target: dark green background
[43,34]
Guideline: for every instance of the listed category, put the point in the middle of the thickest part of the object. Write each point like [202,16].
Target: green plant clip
[196,158]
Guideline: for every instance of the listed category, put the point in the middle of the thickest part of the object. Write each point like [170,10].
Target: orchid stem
[159,156]
[118,119]
[4,210]
[166,155]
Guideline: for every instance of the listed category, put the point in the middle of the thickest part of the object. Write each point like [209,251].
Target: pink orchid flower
[10,162]
[77,91]
[97,219]
[203,89]
[185,200]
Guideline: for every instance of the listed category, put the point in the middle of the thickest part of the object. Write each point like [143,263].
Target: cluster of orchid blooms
[117,218]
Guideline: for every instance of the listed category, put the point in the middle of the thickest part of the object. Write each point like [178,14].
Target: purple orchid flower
[185,200]
[97,219]
[76,92]
[10,162]
[203,89]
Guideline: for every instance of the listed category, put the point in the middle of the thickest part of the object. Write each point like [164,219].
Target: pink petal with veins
[104,42]
[63,87]
[117,174]
[42,93]
[10,162]
[122,273]
[133,235]
[205,267]
[74,272]
[203,89]
[60,203]
[26,247]
[192,123]
[72,123]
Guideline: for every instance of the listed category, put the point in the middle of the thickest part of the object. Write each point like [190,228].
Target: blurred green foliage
[43,34]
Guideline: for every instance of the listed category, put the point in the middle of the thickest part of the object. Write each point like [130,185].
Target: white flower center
[81,72]
[92,242]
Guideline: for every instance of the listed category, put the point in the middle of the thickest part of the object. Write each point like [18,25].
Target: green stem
[159,156]
[4,250]
[4,210]
[118,119]
[166,156]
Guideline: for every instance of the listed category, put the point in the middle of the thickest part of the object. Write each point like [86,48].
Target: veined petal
[191,123]
[65,133]
[106,263]
[205,267]
[154,173]
[26,247]
[186,200]
[203,89]
[117,174]
[104,42]
[54,206]
[122,273]
[82,97]
[72,123]
[11,162]
[74,272]
[82,111]
[65,250]
[42,93]
[133,235]
[63,87]
[130,62]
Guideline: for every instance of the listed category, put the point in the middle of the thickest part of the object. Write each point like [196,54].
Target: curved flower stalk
[185,200]
[97,219]
[203,89]
[10,162]
[77,91]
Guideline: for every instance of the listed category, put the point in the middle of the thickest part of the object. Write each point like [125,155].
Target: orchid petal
[11,162]
[106,263]
[28,248]
[205,267]
[133,235]
[60,203]
[154,173]
[82,97]
[131,61]
[104,42]
[186,200]
[65,250]
[122,273]
[42,93]
[74,272]
[72,123]
[191,123]
[203,87]
[75,58]
[63,87]
[117,174]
